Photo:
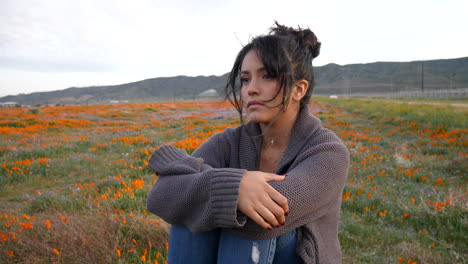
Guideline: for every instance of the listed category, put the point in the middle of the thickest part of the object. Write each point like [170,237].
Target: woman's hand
[261,202]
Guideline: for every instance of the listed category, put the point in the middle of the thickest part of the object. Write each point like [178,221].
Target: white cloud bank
[53,44]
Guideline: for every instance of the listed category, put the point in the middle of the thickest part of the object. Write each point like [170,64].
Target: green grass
[417,161]
[407,161]
[397,112]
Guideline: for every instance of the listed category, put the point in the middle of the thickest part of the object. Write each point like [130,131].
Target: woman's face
[258,87]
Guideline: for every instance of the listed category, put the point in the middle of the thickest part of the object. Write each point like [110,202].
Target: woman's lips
[253,104]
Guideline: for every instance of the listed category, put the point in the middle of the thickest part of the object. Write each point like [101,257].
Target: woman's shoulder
[313,132]
[217,150]
[322,138]
[326,145]
[324,135]
[237,132]
[229,133]
[223,139]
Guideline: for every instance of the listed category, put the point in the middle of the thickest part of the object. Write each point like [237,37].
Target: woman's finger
[260,201]
[268,216]
[276,211]
[273,177]
[279,199]
[257,218]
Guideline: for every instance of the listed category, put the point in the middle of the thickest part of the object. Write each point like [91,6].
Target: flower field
[74,179]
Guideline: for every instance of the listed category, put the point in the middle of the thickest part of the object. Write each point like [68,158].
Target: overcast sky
[55,44]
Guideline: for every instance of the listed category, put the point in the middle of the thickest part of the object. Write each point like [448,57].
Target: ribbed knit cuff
[224,197]
[165,155]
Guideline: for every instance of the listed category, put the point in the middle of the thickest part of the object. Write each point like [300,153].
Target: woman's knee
[237,249]
[198,248]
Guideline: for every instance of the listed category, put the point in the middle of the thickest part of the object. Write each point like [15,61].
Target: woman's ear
[300,90]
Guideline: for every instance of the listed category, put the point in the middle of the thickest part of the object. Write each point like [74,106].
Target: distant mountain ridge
[377,77]
[392,76]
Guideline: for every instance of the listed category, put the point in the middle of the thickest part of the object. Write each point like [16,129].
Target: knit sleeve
[315,181]
[192,193]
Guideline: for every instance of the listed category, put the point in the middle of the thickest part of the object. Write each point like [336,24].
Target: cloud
[45,64]
[55,36]
[155,38]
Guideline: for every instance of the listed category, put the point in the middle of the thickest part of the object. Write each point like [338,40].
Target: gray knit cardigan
[201,191]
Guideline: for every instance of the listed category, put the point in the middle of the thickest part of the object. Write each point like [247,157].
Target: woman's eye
[267,76]
[244,80]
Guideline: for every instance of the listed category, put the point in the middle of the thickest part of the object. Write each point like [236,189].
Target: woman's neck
[277,134]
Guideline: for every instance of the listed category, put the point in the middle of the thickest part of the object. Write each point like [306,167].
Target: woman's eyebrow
[258,70]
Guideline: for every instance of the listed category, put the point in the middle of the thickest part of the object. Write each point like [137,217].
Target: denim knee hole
[255,253]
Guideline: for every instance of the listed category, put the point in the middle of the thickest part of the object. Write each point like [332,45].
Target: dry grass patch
[89,237]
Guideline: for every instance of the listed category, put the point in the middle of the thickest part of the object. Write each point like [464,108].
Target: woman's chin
[257,118]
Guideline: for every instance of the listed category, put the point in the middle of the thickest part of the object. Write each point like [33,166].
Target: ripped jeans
[220,246]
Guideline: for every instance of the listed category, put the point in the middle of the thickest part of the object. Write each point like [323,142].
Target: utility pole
[391,84]
[451,80]
[422,76]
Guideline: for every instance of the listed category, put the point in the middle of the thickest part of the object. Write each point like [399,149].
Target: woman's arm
[313,186]
[199,192]
[315,180]
[191,193]
[260,201]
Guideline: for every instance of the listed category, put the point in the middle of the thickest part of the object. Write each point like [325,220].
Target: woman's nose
[252,89]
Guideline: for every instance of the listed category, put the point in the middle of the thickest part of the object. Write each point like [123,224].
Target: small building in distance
[210,94]
[118,101]
[9,104]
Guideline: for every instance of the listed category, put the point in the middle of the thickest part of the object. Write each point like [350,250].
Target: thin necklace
[272,141]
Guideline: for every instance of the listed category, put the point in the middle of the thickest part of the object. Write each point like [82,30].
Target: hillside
[392,76]
[179,87]
[378,77]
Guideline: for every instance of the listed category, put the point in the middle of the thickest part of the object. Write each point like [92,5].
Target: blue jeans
[220,246]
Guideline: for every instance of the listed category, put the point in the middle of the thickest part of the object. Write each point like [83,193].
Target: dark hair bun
[305,37]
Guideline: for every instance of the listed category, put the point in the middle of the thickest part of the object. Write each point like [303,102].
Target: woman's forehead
[252,63]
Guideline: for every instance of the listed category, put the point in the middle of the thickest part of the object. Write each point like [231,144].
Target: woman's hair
[287,54]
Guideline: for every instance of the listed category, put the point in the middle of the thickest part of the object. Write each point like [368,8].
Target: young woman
[269,190]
